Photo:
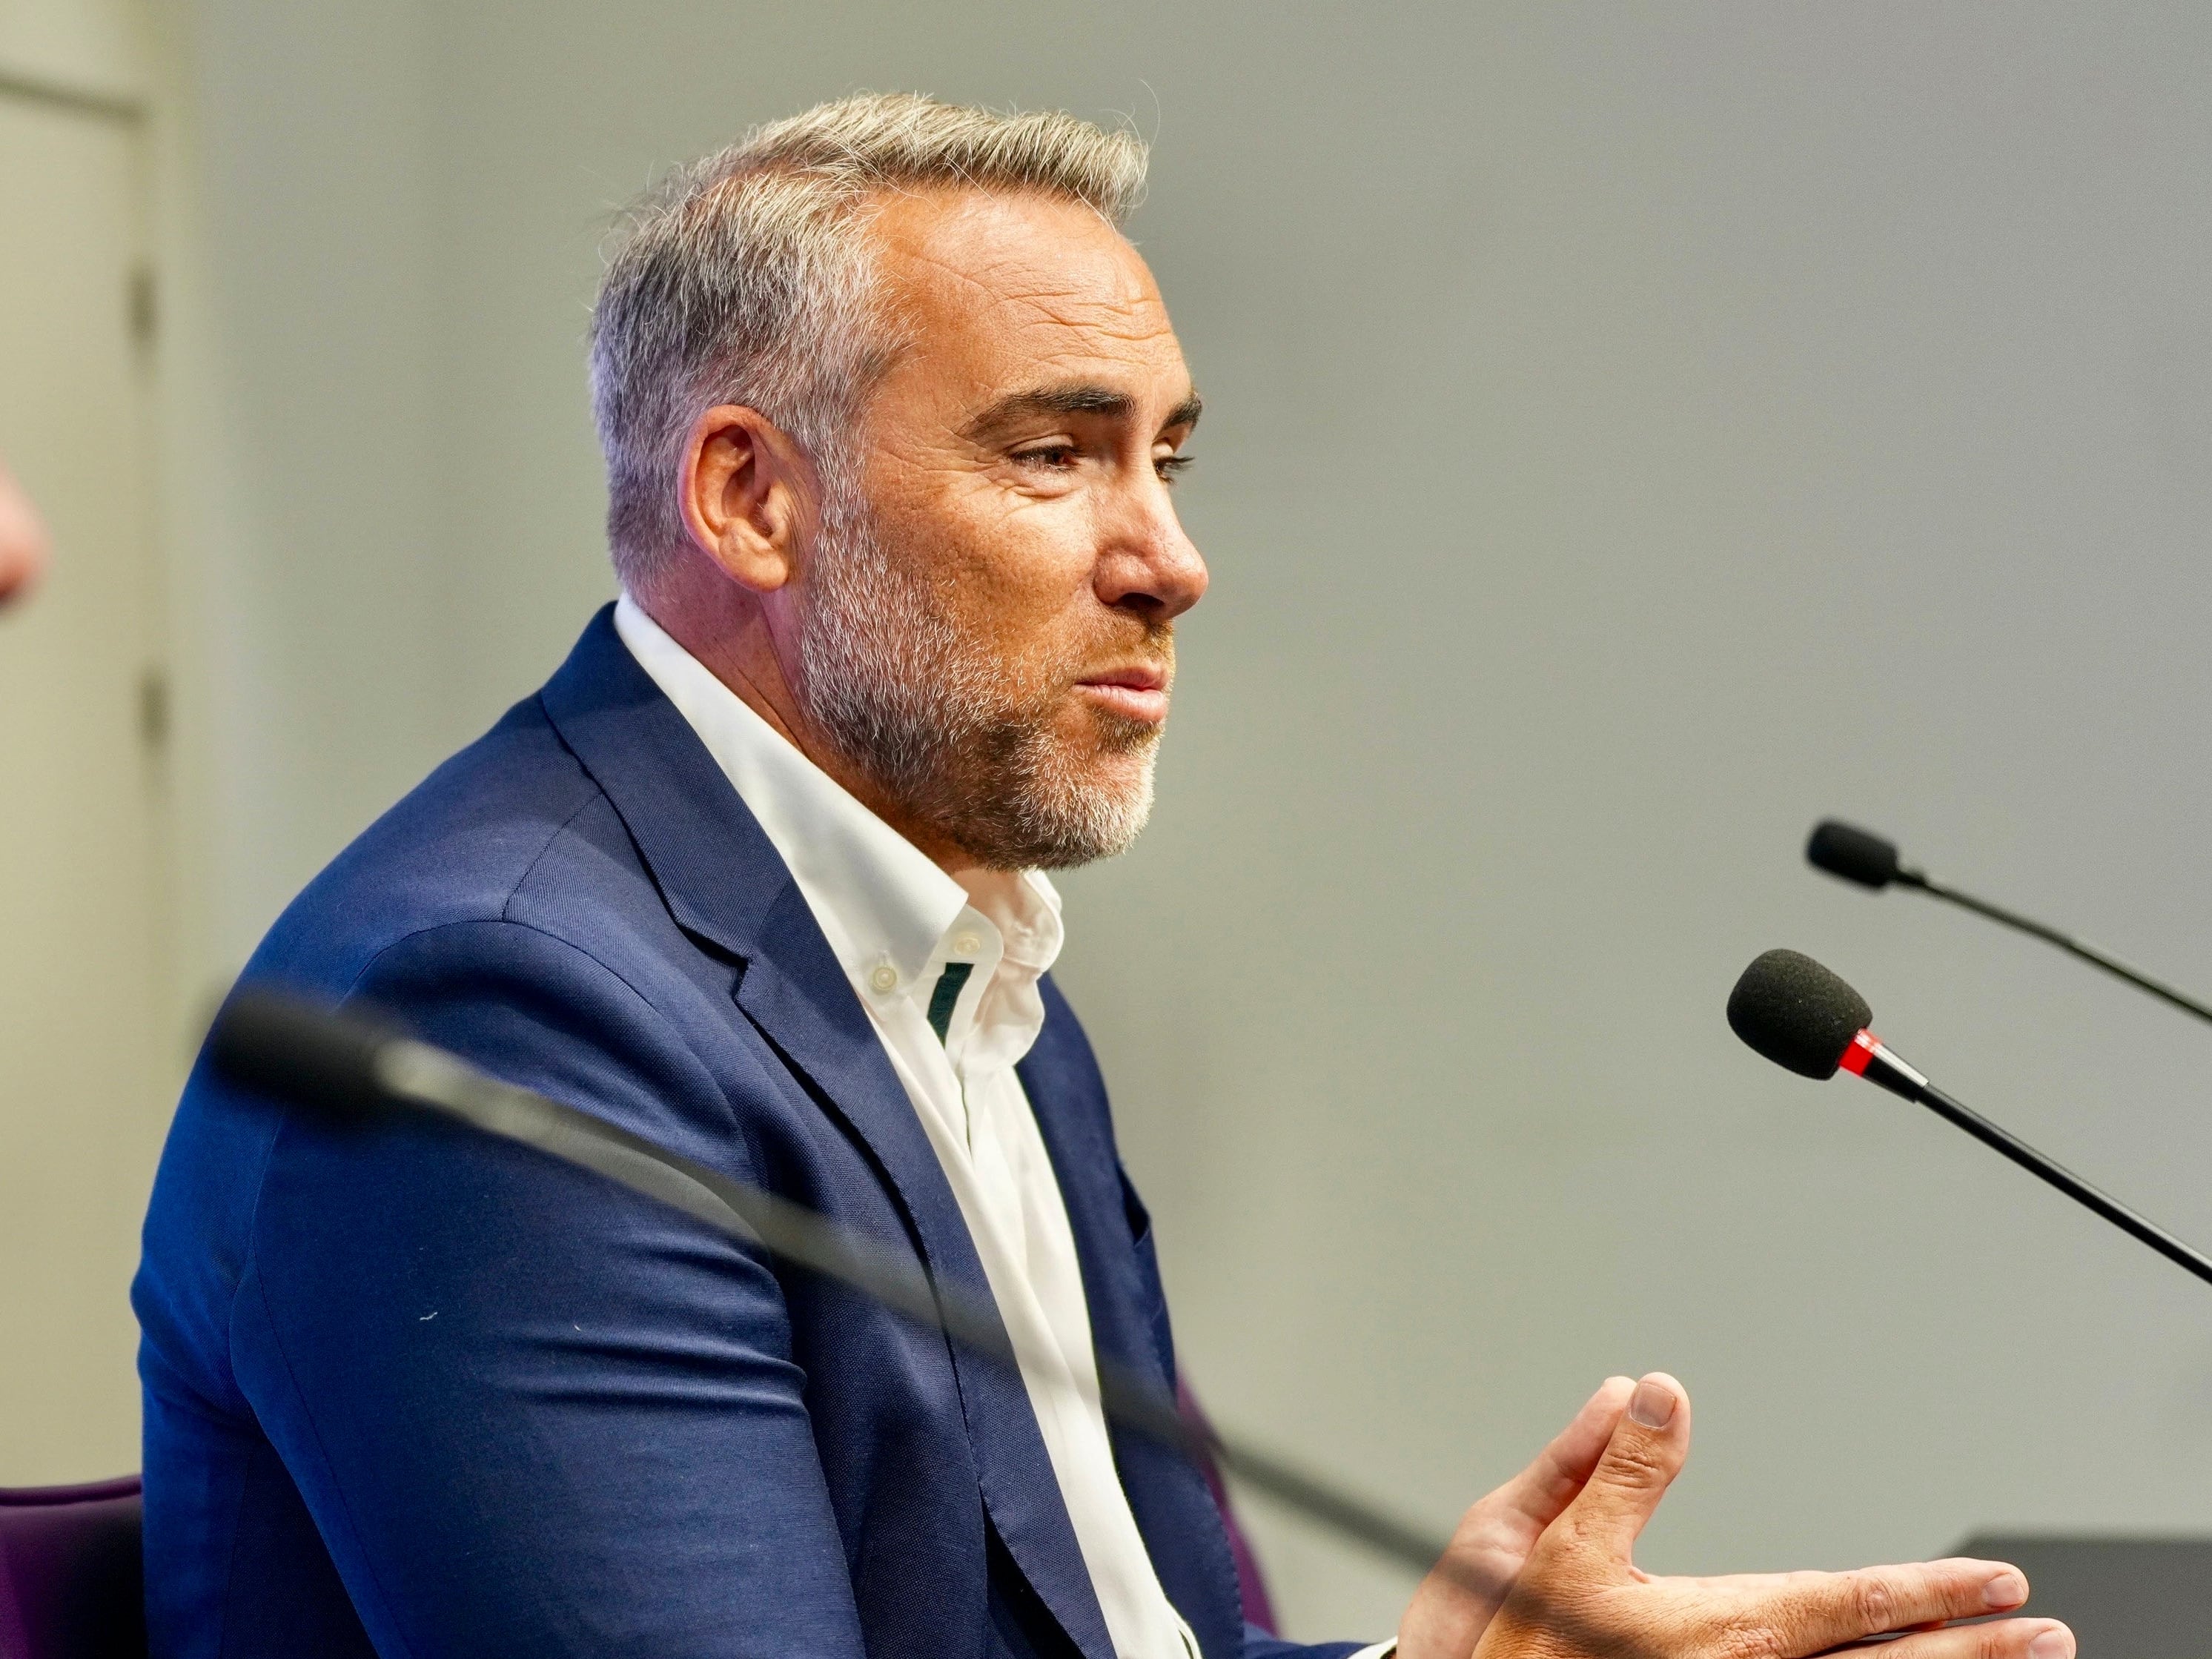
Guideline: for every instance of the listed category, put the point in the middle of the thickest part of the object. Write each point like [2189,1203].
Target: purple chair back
[72,1584]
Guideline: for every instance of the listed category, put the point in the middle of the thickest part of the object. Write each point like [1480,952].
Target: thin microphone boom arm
[2095,955]
[1860,856]
[2128,1221]
[2001,1140]
[346,1068]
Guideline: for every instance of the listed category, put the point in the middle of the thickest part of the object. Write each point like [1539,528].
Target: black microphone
[348,1068]
[1804,1018]
[1866,860]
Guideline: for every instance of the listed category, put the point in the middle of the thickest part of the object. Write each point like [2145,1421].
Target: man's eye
[1171,467]
[1053,456]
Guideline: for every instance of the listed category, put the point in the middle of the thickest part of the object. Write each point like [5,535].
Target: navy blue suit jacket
[412,1391]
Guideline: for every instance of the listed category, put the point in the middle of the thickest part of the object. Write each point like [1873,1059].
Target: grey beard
[943,726]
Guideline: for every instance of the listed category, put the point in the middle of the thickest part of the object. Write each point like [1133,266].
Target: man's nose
[1149,566]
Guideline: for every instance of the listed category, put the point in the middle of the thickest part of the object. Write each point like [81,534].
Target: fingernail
[2055,1643]
[1653,1405]
[2007,1589]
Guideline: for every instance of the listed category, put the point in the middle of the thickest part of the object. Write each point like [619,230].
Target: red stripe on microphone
[1861,1050]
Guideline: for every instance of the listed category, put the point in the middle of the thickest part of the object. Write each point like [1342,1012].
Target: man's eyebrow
[1082,398]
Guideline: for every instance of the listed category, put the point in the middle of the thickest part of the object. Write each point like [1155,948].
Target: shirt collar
[880,899]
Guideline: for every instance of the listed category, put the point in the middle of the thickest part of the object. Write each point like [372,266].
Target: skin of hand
[1456,1602]
[1578,1594]
[1018,450]
[23,550]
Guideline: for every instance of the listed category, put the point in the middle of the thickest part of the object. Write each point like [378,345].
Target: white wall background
[1634,431]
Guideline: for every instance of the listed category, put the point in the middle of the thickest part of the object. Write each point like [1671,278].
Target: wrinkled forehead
[992,290]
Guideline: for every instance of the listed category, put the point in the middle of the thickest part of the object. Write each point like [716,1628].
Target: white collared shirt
[895,921]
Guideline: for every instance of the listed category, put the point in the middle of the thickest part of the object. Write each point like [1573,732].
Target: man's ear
[746,491]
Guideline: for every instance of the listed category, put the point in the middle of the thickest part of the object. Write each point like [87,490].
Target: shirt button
[884,978]
[967,945]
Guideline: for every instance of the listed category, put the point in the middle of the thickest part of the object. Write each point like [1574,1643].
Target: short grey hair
[746,278]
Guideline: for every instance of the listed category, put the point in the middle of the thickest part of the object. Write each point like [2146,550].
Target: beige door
[88,1059]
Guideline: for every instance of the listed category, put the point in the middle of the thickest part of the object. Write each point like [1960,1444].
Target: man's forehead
[996,289]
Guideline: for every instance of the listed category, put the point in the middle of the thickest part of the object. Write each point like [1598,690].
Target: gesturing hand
[1456,1601]
[1579,1595]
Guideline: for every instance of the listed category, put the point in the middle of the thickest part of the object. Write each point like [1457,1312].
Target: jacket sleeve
[1259,1644]
[531,1412]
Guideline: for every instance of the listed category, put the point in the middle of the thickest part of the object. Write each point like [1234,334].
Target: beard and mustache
[960,736]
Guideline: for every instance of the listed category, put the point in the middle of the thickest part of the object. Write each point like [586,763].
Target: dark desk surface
[2126,1598]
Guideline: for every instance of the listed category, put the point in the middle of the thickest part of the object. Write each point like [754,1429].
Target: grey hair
[746,278]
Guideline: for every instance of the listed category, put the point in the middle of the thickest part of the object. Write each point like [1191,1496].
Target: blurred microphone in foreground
[1504,1574]
[345,1069]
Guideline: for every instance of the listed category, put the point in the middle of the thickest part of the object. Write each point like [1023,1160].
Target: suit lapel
[723,880]
[804,1006]
[1174,1507]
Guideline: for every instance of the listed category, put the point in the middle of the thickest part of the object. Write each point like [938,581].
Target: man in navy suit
[891,412]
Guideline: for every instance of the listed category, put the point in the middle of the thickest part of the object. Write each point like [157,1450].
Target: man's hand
[1579,1595]
[1456,1601]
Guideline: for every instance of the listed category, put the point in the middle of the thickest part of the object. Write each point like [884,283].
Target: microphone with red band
[1805,1018]
[1868,1057]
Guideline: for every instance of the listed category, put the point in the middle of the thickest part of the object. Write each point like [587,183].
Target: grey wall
[1634,431]
[305,509]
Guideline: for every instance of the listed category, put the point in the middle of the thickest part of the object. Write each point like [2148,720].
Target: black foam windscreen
[1854,854]
[275,1043]
[1790,1009]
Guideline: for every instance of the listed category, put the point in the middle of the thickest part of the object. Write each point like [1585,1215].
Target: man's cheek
[1025,623]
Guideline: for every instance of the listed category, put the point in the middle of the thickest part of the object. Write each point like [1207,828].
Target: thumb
[1649,1444]
[1534,1498]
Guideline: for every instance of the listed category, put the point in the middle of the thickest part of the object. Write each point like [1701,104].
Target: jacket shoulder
[459,847]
